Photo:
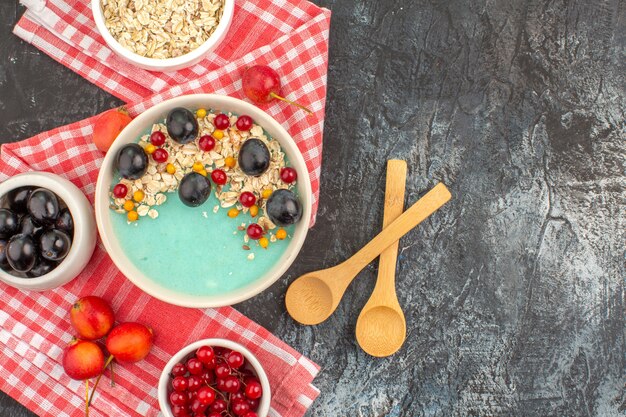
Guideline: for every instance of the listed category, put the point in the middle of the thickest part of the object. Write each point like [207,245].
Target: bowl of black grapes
[47,231]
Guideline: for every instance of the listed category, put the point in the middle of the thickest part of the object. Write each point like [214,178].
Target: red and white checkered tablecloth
[290,36]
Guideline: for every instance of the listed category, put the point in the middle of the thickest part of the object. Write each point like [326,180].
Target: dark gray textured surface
[514,292]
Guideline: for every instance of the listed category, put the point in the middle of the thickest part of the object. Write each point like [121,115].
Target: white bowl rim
[264,404]
[156,290]
[59,186]
[167,63]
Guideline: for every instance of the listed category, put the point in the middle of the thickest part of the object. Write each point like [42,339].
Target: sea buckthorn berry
[221,121]
[160,155]
[157,138]
[203,172]
[201,113]
[288,175]
[266,193]
[244,123]
[255,231]
[206,143]
[233,212]
[264,242]
[150,148]
[171,169]
[218,134]
[254,210]
[281,234]
[132,216]
[230,162]
[129,205]
[138,196]
[120,191]
[198,166]
[247,199]
[219,177]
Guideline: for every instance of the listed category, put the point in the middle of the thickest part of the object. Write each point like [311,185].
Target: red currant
[157,138]
[244,123]
[254,404]
[160,155]
[179,383]
[179,411]
[247,199]
[255,231]
[198,407]
[254,390]
[235,360]
[240,407]
[231,384]
[208,377]
[250,414]
[219,177]
[288,175]
[120,191]
[205,354]
[178,398]
[214,414]
[194,366]
[221,121]
[179,370]
[238,396]
[206,395]
[222,371]
[206,143]
[219,406]
[194,382]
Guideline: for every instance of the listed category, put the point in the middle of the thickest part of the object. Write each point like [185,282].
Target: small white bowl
[169,64]
[164,382]
[138,127]
[85,234]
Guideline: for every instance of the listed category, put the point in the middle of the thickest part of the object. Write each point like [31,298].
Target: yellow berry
[171,169]
[132,216]
[233,212]
[198,166]
[267,193]
[138,196]
[281,234]
[150,148]
[263,242]
[230,162]
[129,205]
[218,134]
[254,210]
[203,172]
[201,113]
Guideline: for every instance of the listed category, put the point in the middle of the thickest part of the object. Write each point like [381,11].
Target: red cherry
[235,359]
[179,383]
[206,143]
[219,177]
[262,84]
[219,406]
[244,123]
[247,199]
[178,398]
[157,138]
[160,155]
[179,369]
[194,382]
[222,371]
[288,175]
[240,407]
[255,231]
[120,191]
[254,390]
[205,354]
[221,121]
[206,395]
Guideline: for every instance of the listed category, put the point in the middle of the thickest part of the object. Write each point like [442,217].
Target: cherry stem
[86,398]
[112,374]
[274,95]
[93,391]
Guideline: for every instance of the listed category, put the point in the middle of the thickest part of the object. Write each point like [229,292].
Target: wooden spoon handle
[419,211]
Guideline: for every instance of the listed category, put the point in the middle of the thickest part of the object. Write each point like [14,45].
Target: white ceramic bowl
[85,235]
[164,382]
[131,134]
[170,64]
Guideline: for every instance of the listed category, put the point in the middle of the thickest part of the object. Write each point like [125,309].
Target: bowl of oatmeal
[163,35]
[203,201]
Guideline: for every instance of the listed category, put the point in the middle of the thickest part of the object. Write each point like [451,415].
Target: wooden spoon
[313,297]
[381,327]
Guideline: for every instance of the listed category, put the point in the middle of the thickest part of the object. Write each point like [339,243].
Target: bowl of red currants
[47,231]
[214,378]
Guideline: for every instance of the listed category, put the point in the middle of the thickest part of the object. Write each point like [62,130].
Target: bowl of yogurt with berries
[203,201]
